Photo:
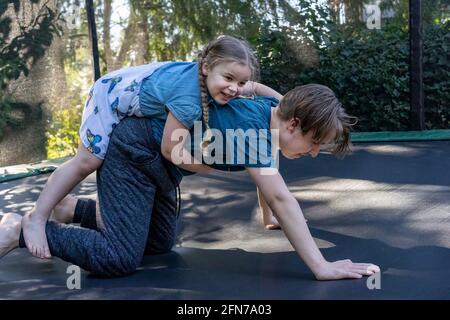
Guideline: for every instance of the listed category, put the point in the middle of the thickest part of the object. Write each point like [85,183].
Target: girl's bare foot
[33,226]
[65,210]
[9,232]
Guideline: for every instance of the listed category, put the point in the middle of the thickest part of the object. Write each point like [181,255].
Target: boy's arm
[268,218]
[254,88]
[172,149]
[290,216]
[263,203]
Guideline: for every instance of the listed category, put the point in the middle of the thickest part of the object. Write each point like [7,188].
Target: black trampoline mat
[388,203]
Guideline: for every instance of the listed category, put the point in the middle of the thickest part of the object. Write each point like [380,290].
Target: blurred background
[360,49]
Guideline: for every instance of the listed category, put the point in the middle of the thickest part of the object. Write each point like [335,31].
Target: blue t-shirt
[175,87]
[243,127]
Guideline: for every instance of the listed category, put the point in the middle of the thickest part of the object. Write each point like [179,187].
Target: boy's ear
[295,123]
[205,69]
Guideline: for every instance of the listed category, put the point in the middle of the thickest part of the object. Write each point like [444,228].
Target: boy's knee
[116,267]
[160,248]
[113,272]
[163,250]
[126,270]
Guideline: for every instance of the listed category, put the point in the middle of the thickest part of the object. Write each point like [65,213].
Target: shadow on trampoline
[195,273]
[388,204]
[392,163]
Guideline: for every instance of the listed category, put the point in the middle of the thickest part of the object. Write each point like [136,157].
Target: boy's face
[294,144]
[226,80]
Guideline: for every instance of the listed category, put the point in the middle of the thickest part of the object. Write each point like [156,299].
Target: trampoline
[388,203]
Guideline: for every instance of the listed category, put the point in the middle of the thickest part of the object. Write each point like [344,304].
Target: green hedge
[367,69]
[436,67]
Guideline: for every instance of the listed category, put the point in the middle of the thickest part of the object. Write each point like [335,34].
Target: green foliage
[369,72]
[296,44]
[367,69]
[286,51]
[62,135]
[177,28]
[436,66]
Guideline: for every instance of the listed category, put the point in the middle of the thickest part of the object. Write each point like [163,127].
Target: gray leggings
[136,209]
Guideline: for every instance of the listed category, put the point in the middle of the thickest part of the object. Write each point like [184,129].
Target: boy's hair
[224,49]
[318,109]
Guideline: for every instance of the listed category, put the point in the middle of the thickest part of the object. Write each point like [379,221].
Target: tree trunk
[353,11]
[334,6]
[43,89]
[143,39]
[107,35]
[128,40]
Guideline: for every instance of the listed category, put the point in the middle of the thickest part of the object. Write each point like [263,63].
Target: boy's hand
[343,269]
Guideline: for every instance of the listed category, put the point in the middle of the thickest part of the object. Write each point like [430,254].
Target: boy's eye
[241,84]
[228,78]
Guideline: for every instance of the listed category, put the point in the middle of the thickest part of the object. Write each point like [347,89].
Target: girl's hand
[257,89]
[343,269]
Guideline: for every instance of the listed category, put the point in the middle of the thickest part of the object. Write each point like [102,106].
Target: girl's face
[225,80]
[294,144]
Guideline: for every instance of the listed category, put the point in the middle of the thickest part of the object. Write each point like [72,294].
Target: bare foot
[33,227]
[65,210]
[9,232]
[270,222]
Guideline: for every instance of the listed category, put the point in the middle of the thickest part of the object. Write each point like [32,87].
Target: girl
[136,211]
[223,71]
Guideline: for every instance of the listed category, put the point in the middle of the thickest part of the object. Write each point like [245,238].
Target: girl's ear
[205,69]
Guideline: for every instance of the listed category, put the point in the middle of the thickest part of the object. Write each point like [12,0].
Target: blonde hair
[318,109]
[223,49]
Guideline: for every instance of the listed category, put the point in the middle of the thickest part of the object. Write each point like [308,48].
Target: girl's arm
[172,149]
[254,88]
[290,216]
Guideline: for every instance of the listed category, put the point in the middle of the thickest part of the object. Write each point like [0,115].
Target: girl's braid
[202,58]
